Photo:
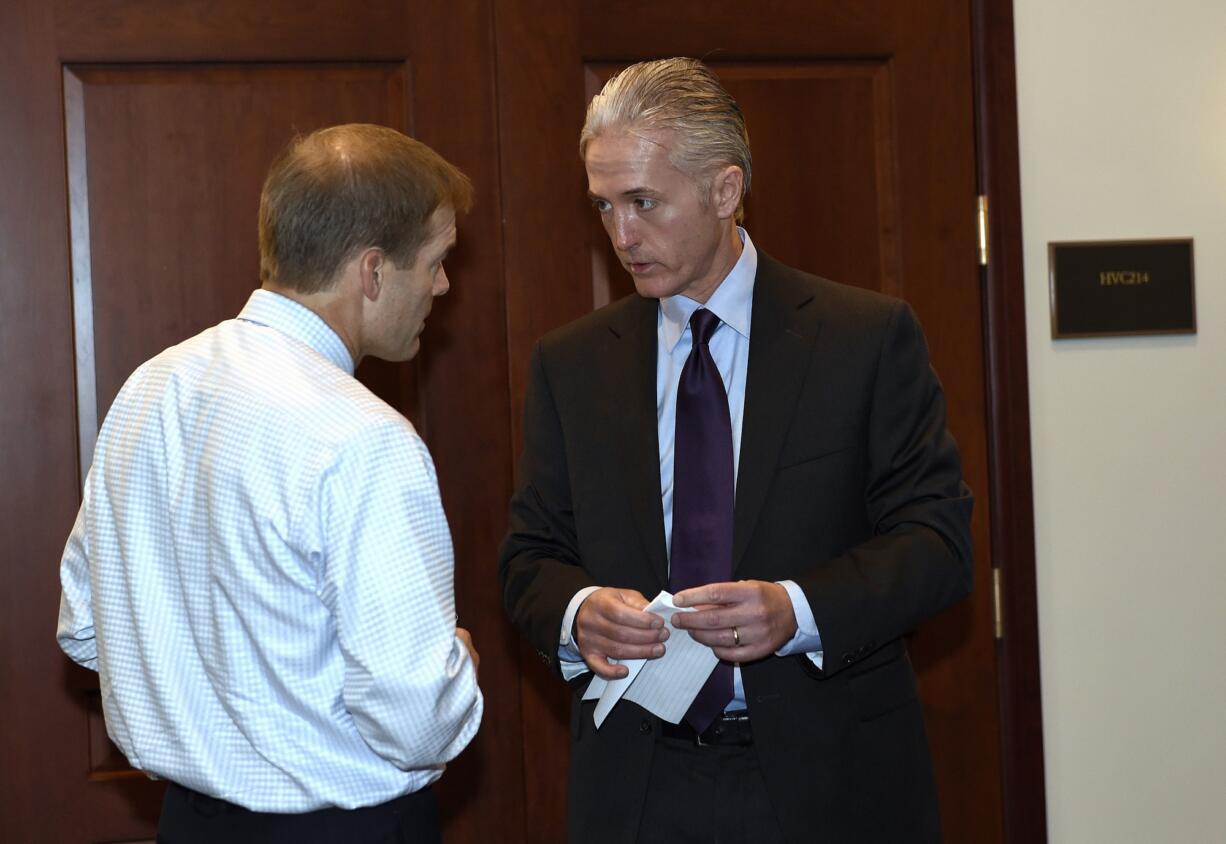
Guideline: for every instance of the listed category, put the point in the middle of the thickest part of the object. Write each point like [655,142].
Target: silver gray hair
[681,96]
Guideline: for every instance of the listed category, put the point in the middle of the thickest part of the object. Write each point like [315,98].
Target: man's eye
[644,204]
[601,205]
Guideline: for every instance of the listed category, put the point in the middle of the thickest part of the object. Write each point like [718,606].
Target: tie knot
[702,325]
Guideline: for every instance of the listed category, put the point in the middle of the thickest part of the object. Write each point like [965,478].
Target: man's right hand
[465,637]
[611,624]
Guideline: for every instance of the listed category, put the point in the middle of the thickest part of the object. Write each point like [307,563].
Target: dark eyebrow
[631,193]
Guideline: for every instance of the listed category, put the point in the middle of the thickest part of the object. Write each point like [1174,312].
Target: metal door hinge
[982,222]
[998,616]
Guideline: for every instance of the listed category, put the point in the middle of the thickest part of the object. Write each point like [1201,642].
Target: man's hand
[466,637]
[611,624]
[740,621]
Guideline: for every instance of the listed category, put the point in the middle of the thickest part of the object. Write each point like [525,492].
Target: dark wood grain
[45,739]
[466,402]
[1009,424]
[208,31]
[175,111]
[862,119]
[548,282]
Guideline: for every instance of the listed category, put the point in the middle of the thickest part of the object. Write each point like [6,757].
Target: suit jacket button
[544,657]
[848,659]
[644,726]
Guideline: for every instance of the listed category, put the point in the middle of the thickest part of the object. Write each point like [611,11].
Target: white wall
[1122,107]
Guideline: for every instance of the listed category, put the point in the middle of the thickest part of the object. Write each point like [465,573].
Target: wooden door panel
[259,30]
[168,116]
[823,136]
[864,173]
[165,165]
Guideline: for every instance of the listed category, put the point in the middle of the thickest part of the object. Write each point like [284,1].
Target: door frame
[1008,414]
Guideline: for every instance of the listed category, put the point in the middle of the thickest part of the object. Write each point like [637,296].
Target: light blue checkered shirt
[262,575]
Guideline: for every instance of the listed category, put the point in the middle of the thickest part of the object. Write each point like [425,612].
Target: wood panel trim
[889,215]
[208,31]
[82,277]
[1012,492]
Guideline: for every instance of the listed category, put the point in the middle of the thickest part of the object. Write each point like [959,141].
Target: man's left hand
[740,621]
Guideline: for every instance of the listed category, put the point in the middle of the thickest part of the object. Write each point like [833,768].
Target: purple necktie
[703,496]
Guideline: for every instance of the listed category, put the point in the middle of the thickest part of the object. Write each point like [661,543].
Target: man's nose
[624,232]
[441,282]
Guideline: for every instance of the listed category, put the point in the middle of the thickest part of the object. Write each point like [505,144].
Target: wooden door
[134,136]
[861,120]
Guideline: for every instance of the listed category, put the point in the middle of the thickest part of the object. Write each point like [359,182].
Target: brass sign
[1120,287]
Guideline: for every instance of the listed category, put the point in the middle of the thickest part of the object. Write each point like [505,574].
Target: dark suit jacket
[849,484]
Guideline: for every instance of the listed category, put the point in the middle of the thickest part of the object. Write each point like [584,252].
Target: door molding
[1008,413]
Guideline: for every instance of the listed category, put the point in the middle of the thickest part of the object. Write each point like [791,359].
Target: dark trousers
[189,817]
[708,794]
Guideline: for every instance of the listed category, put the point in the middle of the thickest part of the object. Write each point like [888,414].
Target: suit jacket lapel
[781,336]
[634,360]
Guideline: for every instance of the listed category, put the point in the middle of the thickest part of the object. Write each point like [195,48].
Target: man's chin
[653,286]
[400,355]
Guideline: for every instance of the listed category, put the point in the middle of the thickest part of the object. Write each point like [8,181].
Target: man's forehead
[627,146]
[442,223]
[627,162]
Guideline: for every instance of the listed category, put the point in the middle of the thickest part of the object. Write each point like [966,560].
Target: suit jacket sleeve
[539,567]
[918,560]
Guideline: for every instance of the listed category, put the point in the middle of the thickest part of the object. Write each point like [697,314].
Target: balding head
[344,189]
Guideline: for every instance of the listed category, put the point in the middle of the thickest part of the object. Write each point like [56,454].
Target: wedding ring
[736,638]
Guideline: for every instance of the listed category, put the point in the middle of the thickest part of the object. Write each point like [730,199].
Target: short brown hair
[682,96]
[347,188]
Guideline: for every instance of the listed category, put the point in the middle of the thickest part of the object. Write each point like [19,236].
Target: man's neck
[726,256]
[334,308]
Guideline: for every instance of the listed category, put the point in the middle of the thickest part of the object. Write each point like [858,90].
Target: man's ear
[726,190]
[370,273]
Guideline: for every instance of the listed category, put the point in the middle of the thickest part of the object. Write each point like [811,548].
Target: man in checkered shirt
[261,571]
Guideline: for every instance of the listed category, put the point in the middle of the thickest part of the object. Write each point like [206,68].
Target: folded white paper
[666,686]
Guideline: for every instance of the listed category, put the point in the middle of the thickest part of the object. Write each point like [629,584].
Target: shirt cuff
[568,649]
[808,640]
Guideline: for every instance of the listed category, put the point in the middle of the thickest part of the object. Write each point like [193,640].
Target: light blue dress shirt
[732,302]
[262,575]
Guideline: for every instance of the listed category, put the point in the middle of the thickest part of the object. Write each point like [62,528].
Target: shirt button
[644,726]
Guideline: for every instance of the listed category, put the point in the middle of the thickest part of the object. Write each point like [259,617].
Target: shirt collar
[731,301]
[299,322]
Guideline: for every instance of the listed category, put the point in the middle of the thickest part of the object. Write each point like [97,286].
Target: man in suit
[770,447]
